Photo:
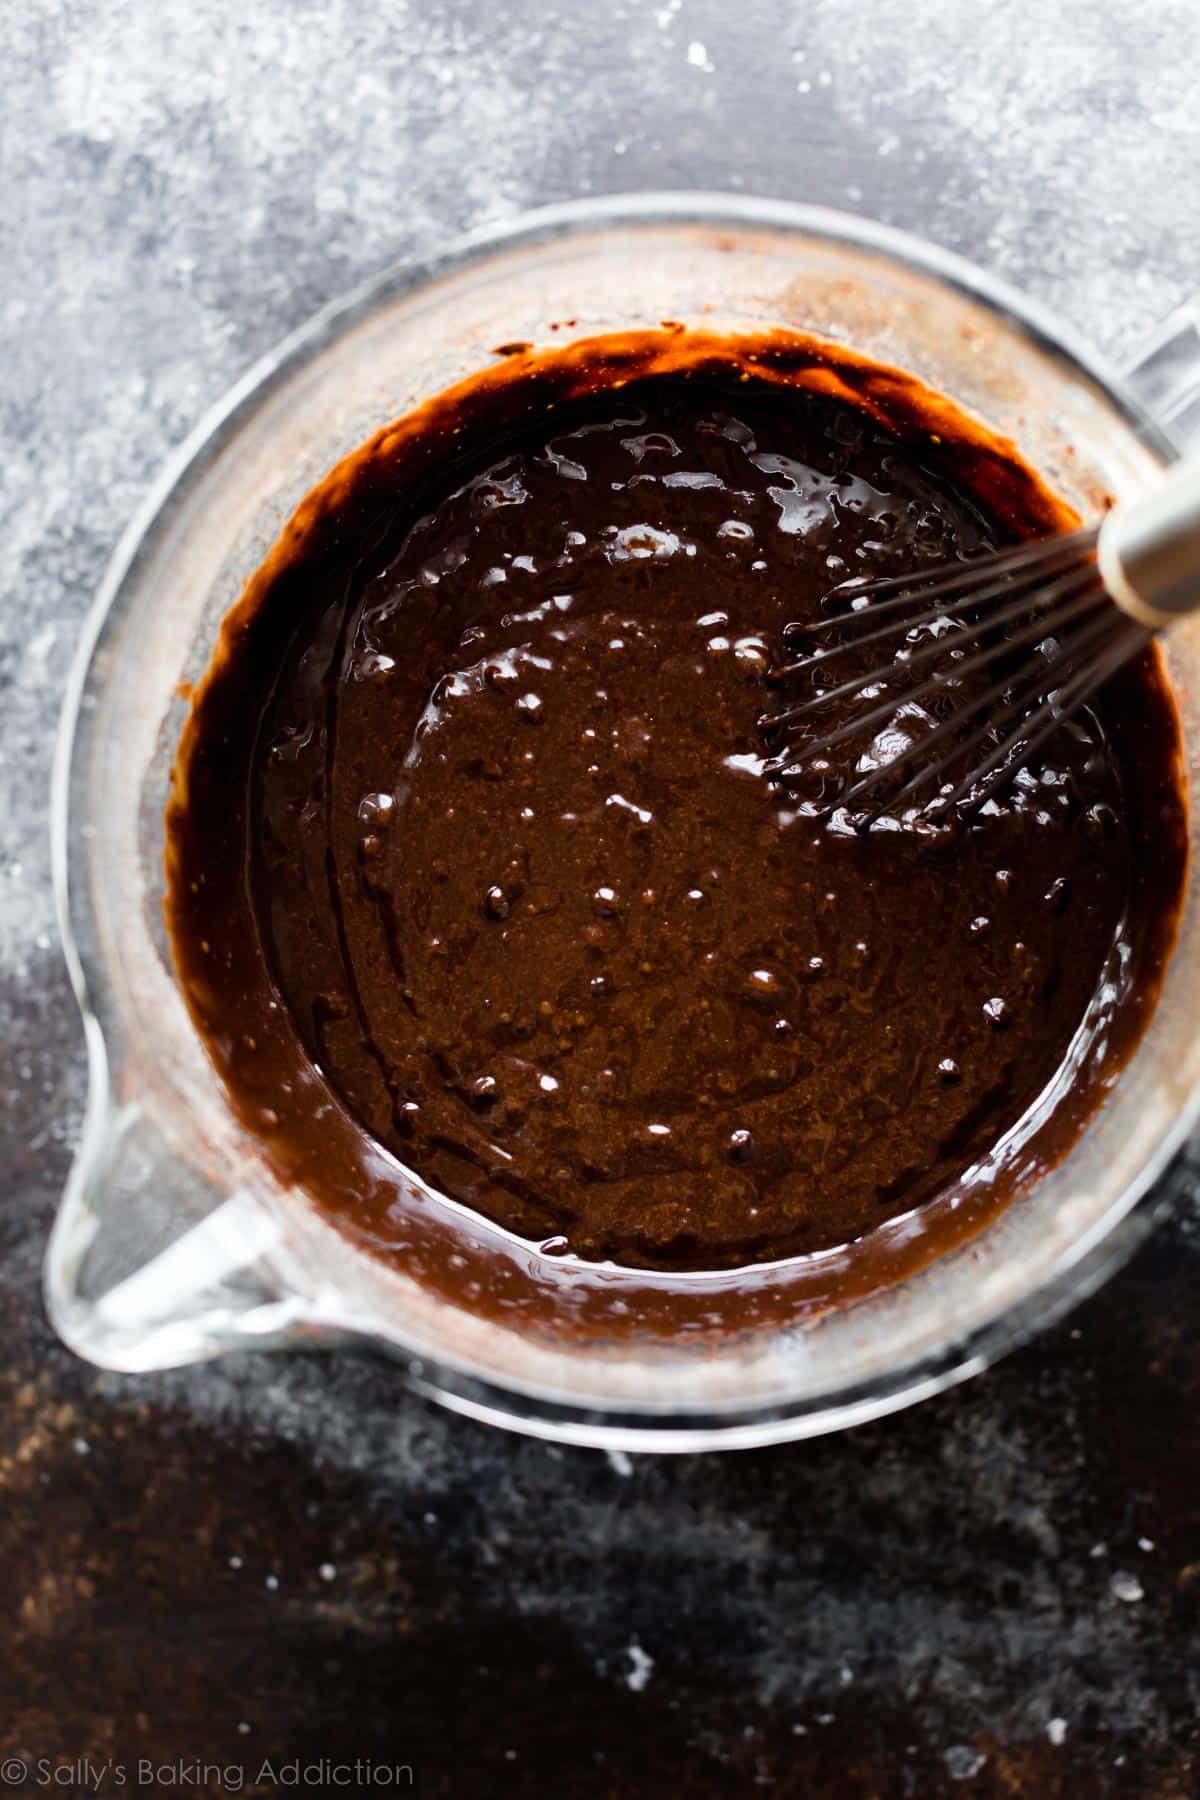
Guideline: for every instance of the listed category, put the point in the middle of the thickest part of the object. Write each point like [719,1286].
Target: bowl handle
[1166,374]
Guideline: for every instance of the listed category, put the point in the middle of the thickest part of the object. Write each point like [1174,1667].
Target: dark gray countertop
[995,1594]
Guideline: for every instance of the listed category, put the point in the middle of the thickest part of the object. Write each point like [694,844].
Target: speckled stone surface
[290,1559]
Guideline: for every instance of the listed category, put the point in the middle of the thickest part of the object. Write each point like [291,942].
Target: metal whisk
[1001,648]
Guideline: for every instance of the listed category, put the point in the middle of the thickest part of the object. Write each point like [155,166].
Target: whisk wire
[1016,609]
[1044,626]
[1034,687]
[1049,596]
[1072,609]
[1041,724]
[1040,554]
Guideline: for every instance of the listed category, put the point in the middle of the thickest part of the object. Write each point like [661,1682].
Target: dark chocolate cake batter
[474,801]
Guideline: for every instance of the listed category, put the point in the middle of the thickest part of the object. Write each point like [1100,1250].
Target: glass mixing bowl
[174,1241]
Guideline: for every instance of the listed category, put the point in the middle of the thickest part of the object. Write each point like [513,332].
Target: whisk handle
[1149,550]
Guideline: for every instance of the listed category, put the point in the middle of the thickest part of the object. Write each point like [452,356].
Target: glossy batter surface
[521,879]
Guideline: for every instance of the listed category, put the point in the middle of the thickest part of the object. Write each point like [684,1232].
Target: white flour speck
[698,56]
[641,1670]
[619,1463]
[962,1762]
[1056,1731]
[1127,1587]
